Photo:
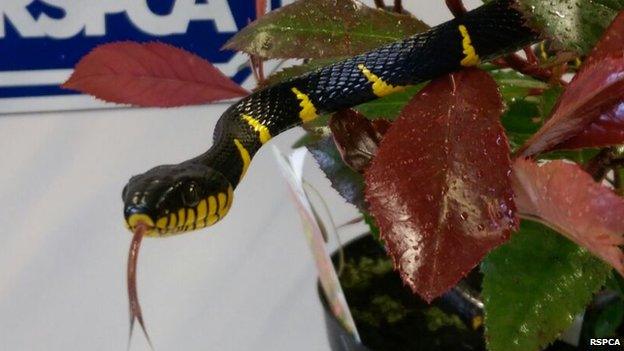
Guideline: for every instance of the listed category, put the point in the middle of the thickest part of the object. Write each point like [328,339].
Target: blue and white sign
[42,40]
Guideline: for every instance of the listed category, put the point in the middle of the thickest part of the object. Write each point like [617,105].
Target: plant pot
[452,322]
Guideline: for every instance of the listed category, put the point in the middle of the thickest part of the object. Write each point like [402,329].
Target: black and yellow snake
[172,199]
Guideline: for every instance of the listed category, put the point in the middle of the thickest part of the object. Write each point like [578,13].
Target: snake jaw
[134,221]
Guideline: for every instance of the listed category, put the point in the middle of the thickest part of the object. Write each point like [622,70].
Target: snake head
[173,199]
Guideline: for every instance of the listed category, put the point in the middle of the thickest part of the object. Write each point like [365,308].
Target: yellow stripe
[162,223]
[380,88]
[190,216]
[212,205]
[200,223]
[222,204]
[181,216]
[212,219]
[212,211]
[471,59]
[261,129]
[172,220]
[230,196]
[202,210]
[244,154]
[308,111]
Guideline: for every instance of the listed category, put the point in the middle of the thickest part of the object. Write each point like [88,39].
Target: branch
[531,58]
[398,6]
[456,7]
[257,67]
[533,70]
[521,65]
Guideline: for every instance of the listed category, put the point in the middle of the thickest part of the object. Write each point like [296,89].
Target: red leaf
[439,186]
[356,137]
[589,104]
[607,130]
[612,41]
[260,8]
[566,198]
[150,74]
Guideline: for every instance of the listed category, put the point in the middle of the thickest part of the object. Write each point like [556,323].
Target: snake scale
[196,193]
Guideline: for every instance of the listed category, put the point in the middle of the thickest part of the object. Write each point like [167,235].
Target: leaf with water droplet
[439,203]
[575,25]
[608,128]
[590,112]
[323,29]
[566,198]
[534,286]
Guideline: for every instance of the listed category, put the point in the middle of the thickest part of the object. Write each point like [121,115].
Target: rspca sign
[42,40]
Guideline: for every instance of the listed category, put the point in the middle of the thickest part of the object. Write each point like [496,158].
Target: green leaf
[294,71]
[374,229]
[389,107]
[575,25]
[323,29]
[521,121]
[548,100]
[616,283]
[348,183]
[581,156]
[534,286]
[524,118]
[307,138]
[609,319]
[514,85]
[526,114]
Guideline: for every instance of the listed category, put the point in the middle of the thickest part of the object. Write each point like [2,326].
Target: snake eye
[190,195]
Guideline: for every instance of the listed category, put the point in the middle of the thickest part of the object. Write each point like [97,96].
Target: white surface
[247,283]
[244,284]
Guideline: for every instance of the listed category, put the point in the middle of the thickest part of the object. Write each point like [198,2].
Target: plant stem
[257,67]
[380,4]
[519,64]
[456,7]
[533,70]
[398,6]
[531,58]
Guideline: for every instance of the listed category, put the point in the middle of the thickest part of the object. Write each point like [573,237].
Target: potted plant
[511,167]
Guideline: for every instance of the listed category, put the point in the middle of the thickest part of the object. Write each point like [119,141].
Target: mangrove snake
[172,199]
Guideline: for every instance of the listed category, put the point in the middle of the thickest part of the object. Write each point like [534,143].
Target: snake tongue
[133,298]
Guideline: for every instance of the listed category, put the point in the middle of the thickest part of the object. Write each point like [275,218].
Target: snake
[172,199]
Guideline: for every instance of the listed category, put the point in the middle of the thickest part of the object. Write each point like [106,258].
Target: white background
[247,283]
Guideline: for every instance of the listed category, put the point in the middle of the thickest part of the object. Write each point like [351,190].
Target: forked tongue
[133,297]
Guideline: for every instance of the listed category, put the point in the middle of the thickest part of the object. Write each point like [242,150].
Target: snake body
[172,199]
